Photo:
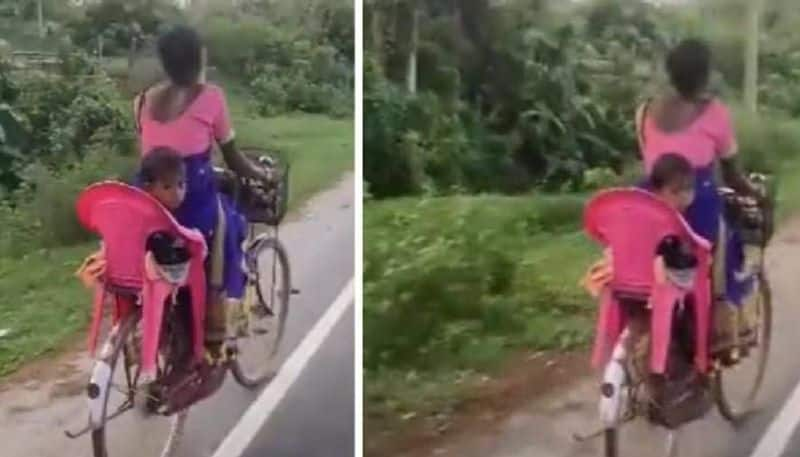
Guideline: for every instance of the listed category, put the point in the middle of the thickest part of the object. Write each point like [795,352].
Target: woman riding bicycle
[189,116]
[696,125]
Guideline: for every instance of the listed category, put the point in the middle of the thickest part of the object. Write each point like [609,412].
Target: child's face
[679,194]
[169,191]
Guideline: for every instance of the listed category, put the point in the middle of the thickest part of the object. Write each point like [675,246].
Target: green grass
[42,305]
[453,285]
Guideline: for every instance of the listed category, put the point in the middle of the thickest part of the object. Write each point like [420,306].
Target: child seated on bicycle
[672,180]
[162,174]
[164,177]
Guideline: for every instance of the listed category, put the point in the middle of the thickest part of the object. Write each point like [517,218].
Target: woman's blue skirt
[703,216]
[199,210]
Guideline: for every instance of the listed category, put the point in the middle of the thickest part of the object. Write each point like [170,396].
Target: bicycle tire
[611,442]
[117,342]
[724,404]
[259,247]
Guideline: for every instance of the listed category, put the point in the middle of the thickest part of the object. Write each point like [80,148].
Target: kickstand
[581,438]
[597,433]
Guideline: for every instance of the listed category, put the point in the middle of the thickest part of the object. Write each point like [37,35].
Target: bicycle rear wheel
[116,395]
[267,307]
[611,445]
[736,388]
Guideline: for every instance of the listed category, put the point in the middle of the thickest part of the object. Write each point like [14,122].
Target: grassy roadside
[436,326]
[42,306]
[444,308]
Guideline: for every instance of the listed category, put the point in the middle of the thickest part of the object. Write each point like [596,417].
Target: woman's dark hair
[161,164]
[689,66]
[180,50]
[671,169]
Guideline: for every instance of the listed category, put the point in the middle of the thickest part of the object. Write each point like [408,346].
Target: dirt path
[543,426]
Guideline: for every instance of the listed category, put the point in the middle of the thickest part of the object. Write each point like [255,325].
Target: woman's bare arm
[240,163]
[734,177]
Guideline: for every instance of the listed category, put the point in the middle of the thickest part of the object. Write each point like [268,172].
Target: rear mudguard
[614,388]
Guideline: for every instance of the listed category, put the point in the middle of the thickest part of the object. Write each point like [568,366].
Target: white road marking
[773,443]
[249,425]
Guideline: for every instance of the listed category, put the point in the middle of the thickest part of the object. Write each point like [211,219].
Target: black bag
[681,394]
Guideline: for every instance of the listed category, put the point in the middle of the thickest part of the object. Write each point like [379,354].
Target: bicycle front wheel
[736,388]
[266,305]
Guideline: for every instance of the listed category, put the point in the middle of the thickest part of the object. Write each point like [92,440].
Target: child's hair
[161,164]
[670,169]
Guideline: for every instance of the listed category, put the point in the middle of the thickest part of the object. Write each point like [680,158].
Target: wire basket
[259,202]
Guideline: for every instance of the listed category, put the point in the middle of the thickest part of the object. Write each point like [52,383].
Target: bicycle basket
[755,222]
[266,204]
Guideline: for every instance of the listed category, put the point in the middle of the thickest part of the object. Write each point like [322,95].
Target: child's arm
[92,268]
[599,274]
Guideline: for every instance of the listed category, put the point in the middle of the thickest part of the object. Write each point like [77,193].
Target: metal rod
[123,408]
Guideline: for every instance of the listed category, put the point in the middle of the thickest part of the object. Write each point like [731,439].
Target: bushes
[61,116]
[119,21]
[767,142]
[417,143]
[60,134]
[433,297]
[42,211]
[533,106]
[319,83]
[286,71]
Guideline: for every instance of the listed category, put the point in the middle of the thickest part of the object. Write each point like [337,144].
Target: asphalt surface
[315,418]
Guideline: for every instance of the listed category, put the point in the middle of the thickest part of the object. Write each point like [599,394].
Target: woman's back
[193,129]
[701,137]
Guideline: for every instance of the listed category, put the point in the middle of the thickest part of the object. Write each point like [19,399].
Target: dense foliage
[538,93]
[289,66]
[58,133]
[118,22]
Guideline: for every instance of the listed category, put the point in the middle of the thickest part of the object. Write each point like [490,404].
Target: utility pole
[754,8]
[40,17]
[411,76]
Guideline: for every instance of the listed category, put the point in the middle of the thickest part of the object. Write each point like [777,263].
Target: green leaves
[12,139]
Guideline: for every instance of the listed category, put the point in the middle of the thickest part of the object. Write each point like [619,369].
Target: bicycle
[623,387]
[117,383]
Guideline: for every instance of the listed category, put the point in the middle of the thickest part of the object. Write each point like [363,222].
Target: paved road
[321,245]
[544,428]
